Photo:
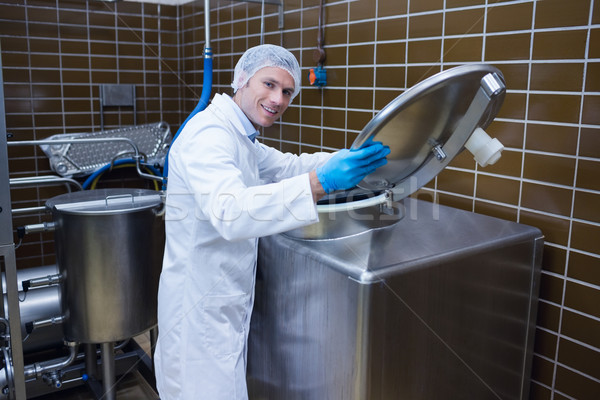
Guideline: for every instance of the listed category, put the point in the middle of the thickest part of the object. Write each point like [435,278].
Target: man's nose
[277,96]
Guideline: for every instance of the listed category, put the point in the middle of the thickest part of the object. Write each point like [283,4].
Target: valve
[317,76]
[52,379]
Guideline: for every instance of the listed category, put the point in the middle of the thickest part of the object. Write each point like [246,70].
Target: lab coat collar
[227,104]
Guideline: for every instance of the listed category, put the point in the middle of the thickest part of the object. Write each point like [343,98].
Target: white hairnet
[265,55]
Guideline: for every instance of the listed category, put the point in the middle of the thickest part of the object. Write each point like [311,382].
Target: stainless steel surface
[109,246]
[419,124]
[80,158]
[8,263]
[108,371]
[350,220]
[441,305]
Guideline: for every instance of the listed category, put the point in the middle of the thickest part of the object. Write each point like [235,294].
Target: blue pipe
[204,99]
[122,161]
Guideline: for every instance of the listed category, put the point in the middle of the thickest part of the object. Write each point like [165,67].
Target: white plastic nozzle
[485,150]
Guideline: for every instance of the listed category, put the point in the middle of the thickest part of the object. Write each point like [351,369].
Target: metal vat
[109,247]
[440,305]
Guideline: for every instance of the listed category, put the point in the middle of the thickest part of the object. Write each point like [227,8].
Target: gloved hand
[348,167]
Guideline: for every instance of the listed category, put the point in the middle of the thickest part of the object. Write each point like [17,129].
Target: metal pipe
[36,370]
[28,210]
[43,179]
[108,371]
[91,360]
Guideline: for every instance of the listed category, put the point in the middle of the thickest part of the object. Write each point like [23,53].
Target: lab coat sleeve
[275,165]
[216,174]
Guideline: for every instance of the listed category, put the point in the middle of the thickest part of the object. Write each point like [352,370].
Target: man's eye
[287,92]
[268,84]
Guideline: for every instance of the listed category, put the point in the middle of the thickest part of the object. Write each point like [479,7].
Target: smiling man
[225,191]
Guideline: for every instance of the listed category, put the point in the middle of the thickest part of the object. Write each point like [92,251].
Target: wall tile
[554,107]
[361,54]
[507,47]
[428,25]
[363,10]
[463,49]
[334,118]
[388,8]
[587,175]
[551,288]
[557,77]
[548,168]
[594,46]
[456,182]
[390,53]
[384,97]
[360,77]
[361,32]
[586,206]
[577,385]
[334,139]
[585,237]
[554,259]
[495,210]
[581,358]
[508,165]
[391,29]
[589,142]
[515,75]
[455,201]
[542,371]
[426,5]
[585,268]
[464,22]
[357,120]
[510,134]
[555,230]
[514,106]
[510,17]
[360,99]
[591,105]
[390,77]
[334,98]
[424,51]
[550,199]
[552,138]
[581,328]
[498,189]
[559,45]
[557,13]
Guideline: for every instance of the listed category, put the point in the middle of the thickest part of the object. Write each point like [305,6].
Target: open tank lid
[429,124]
[105,201]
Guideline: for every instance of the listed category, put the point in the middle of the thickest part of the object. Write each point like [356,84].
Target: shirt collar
[249,129]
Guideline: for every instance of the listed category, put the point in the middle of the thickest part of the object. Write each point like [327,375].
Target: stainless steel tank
[37,304]
[440,305]
[109,247]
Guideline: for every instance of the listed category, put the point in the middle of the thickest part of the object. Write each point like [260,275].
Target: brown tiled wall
[548,50]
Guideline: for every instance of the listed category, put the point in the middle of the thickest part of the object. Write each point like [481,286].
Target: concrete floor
[131,386]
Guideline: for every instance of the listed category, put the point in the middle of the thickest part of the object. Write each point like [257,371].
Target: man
[225,191]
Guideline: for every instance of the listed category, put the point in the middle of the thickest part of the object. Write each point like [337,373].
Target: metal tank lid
[429,124]
[105,201]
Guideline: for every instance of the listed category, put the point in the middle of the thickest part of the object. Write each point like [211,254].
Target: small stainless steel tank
[109,247]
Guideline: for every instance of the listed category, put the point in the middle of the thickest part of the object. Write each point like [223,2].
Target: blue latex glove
[348,167]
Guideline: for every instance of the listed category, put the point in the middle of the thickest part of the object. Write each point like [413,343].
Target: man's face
[266,96]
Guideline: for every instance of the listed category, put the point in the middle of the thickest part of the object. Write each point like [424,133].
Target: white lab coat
[223,193]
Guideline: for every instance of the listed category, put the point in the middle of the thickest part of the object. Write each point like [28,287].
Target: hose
[206,86]
[92,180]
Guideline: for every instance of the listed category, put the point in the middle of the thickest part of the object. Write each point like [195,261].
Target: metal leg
[91,360]
[153,339]
[108,371]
